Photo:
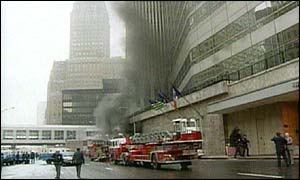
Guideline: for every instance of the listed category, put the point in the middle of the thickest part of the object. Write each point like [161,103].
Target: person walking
[235,141]
[78,160]
[32,157]
[244,143]
[18,158]
[290,149]
[57,159]
[280,145]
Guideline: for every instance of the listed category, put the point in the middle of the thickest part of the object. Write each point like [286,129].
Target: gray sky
[33,35]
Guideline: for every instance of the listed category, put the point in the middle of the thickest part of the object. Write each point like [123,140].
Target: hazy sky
[33,35]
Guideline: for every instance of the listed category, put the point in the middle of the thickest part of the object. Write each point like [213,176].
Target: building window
[46,135]
[90,133]
[34,134]
[71,134]
[58,135]
[8,134]
[21,134]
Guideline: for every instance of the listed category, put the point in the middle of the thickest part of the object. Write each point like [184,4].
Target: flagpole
[197,112]
[167,99]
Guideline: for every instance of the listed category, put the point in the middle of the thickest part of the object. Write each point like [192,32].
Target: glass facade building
[193,45]
[237,62]
[78,106]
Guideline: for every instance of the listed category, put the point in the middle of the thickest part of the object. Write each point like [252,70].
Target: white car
[68,158]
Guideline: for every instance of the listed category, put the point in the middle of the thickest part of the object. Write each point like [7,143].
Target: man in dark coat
[57,159]
[244,142]
[32,157]
[18,157]
[78,160]
[280,145]
[235,141]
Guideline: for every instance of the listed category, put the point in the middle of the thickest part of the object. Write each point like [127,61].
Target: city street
[210,168]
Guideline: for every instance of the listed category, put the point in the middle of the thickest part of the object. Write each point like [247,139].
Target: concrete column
[52,134]
[213,135]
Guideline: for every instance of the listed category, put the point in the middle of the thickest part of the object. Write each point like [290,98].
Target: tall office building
[77,85]
[236,62]
[89,31]
[152,29]
[75,88]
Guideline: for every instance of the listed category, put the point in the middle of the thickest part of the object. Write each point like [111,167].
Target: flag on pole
[163,97]
[176,95]
[176,92]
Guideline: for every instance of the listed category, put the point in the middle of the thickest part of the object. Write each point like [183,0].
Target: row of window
[275,50]
[80,104]
[79,110]
[35,134]
[87,43]
[245,24]
[88,53]
[205,10]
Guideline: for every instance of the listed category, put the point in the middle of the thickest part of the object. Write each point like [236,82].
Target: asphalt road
[208,169]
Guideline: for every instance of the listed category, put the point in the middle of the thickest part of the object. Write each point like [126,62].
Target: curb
[241,158]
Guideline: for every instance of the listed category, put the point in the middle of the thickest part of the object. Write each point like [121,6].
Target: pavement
[202,168]
[249,157]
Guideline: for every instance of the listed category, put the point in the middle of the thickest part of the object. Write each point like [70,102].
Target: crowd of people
[240,142]
[283,146]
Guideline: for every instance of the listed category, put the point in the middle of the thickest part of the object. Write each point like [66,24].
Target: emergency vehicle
[158,148]
[98,152]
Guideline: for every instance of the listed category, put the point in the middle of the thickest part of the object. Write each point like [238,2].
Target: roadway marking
[260,175]
[109,169]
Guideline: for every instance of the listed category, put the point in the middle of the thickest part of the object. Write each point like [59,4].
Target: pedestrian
[78,160]
[280,145]
[235,141]
[32,157]
[57,159]
[244,144]
[2,156]
[18,157]
[23,158]
[290,148]
[27,158]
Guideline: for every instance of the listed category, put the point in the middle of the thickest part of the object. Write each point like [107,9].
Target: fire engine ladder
[152,137]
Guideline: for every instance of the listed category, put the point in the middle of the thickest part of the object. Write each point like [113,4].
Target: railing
[268,62]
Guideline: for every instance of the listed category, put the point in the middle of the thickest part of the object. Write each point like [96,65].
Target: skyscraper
[76,85]
[231,61]
[89,31]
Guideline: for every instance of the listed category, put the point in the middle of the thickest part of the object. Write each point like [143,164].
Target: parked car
[46,157]
[8,157]
[68,158]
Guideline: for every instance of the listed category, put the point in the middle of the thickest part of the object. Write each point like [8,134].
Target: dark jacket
[57,158]
[78,157]
[280,143]
[244,142]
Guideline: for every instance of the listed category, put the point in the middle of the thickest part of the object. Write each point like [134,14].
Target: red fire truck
[155,149]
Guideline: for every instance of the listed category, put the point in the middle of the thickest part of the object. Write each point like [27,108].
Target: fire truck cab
[118,148]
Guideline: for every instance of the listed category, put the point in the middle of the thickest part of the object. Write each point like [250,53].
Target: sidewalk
[249,157]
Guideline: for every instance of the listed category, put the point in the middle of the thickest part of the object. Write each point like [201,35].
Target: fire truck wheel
[155,164]
[116,162]
[184,166]
[124,161]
